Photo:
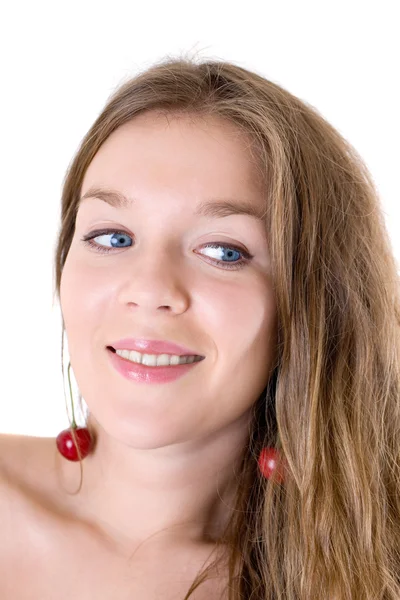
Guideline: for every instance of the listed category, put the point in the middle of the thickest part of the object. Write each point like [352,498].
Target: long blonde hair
[332,530]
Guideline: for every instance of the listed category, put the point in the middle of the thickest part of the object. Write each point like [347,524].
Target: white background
[60,62]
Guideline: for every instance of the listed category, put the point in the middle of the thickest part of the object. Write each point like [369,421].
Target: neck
[182,491]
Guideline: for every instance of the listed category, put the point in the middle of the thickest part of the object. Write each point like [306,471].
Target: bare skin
[167,453]
[47,553]
[158,490]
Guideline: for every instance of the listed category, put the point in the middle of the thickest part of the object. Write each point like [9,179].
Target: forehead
[174,152]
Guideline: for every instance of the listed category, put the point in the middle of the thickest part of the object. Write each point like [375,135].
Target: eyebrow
[217,208]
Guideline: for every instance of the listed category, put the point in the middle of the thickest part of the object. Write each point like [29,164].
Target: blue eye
[105,233]
[230,252]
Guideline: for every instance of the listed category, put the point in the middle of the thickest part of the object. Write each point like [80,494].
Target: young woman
[231,304]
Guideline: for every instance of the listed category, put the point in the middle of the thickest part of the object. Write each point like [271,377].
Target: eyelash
[87,239]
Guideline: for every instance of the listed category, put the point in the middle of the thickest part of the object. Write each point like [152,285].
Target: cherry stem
[72,402]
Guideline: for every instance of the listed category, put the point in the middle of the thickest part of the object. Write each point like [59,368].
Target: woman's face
[159,281]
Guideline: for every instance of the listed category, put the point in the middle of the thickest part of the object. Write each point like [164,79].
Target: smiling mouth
[113,350]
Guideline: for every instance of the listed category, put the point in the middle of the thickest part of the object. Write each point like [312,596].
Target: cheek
[241,315]
[84,290]
[83,297]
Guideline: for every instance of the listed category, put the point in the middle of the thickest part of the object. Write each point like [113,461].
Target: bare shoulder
[24,462]
[13,504]
[8,476]
[26,458]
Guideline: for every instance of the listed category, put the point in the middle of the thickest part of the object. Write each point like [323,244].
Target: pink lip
[152,347]
[143,374]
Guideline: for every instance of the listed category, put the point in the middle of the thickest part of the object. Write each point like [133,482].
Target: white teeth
[153,360]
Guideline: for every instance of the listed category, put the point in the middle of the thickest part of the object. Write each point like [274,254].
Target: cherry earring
[271,465]
[66,444]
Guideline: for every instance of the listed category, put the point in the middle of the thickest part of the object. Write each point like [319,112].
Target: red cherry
[67,447]
[270,464]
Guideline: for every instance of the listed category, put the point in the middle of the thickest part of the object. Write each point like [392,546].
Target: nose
[156,282]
